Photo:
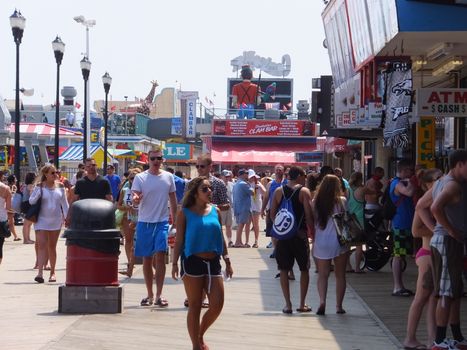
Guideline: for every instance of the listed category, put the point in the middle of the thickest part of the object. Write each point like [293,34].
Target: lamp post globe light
[59,48]
[107,81]
[85,69]
[17,23]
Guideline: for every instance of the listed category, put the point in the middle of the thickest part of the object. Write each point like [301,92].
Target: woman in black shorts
[200,243]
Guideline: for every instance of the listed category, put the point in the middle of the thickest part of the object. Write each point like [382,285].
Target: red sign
[263,128]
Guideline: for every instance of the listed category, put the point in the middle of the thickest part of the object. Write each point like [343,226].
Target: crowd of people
[299,209]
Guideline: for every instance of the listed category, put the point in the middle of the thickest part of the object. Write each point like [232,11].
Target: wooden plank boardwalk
[251,318]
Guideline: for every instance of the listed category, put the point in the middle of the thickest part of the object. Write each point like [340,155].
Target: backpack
[389,208]
[285,225]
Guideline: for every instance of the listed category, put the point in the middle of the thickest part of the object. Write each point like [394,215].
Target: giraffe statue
[150,98]
[147,103]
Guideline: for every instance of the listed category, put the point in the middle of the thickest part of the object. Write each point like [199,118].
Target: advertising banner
[178,151]
[191,118]
[442,102]
[426,142]
[263,128]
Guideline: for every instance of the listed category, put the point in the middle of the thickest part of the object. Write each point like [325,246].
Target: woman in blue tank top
[200,243]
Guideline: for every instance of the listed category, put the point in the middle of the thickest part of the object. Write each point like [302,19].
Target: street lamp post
[107,81]
[88,23]
[17,22]
[85,69]
[59,48]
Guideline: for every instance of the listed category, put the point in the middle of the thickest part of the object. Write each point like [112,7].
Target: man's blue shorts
[151,238]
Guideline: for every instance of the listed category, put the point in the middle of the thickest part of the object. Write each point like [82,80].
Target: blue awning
[75,152]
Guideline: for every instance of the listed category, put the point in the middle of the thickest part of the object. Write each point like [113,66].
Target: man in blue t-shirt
[180,184]
[242,194]
[401,191]
[114,181]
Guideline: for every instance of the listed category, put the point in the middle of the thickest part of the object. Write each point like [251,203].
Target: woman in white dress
[328,201]
[54,209]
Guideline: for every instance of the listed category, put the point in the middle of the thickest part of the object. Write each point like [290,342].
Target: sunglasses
[154,158]
[200,166]
[52,172]
[91,165]
[205,189]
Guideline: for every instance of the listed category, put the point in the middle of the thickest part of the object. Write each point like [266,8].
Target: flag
[113,108]
[211,103]
[77,105]
[206,99]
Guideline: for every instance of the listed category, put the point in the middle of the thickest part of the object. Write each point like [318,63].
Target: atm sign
[442,102]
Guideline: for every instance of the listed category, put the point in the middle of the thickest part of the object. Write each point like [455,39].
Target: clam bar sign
[442,102]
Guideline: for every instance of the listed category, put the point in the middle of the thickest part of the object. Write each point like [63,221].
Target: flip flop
[340,312]
[52,279]
[402,293]
[286,311]
[306,308]
[418,347]
[161,302]
[147,301]
[39,279]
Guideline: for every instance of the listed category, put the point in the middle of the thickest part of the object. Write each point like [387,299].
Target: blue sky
[186,41]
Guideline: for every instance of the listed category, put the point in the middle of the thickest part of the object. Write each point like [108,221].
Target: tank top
[356,207]
[298,208]
[202,233]
[454,212]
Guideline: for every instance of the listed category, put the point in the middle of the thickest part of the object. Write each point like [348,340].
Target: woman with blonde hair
[328,201]
[424,296]
[53,211]
[200,244]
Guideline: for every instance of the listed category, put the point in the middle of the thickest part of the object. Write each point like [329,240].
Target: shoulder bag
[348,228]
[33,211]
[4,229]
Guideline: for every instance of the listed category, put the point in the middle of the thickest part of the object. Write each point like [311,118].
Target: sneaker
[461,345]
[445,345]
[269,245]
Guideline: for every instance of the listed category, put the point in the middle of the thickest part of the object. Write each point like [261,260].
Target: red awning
[249,153]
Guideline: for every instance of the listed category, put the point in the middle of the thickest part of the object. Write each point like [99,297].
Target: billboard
[242,127]
[283,92]
[442,102]
[178,151]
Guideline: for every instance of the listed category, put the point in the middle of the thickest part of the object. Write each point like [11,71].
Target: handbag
[348,228]
[4,229]
[33,212]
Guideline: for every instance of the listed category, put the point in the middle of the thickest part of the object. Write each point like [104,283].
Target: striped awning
[75,152]
[117,152]
[43,129]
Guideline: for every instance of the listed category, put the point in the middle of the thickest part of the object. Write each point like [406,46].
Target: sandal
[255,245]
[52,279]
[306,308]
[340,312]
[39,279]
[231,244]
[161,302]
[205,305]
[185,303]
[246,245]
[286,310]
[321,310]
[147,301]
[402,293]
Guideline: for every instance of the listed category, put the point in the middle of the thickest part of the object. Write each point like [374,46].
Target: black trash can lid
[92,215]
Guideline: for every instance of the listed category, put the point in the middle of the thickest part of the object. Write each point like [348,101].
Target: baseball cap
[226,172]
[242,171]
[251,173]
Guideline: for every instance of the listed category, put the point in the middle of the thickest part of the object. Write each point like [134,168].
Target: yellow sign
[426,142]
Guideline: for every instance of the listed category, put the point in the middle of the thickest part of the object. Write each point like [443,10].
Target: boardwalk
[251,318]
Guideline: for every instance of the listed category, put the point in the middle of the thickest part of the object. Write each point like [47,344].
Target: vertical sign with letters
[426,142]
[191,118]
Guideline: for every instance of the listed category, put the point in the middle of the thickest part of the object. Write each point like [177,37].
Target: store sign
[176,128]
[178,151]
[442,102]
[263,128]
[309,157]
[191,118]
[426,142]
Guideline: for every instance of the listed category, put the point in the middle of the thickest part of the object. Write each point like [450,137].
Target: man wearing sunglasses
[152,190]
[219,190]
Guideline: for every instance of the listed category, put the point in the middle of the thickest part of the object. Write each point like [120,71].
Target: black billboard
[283,93]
